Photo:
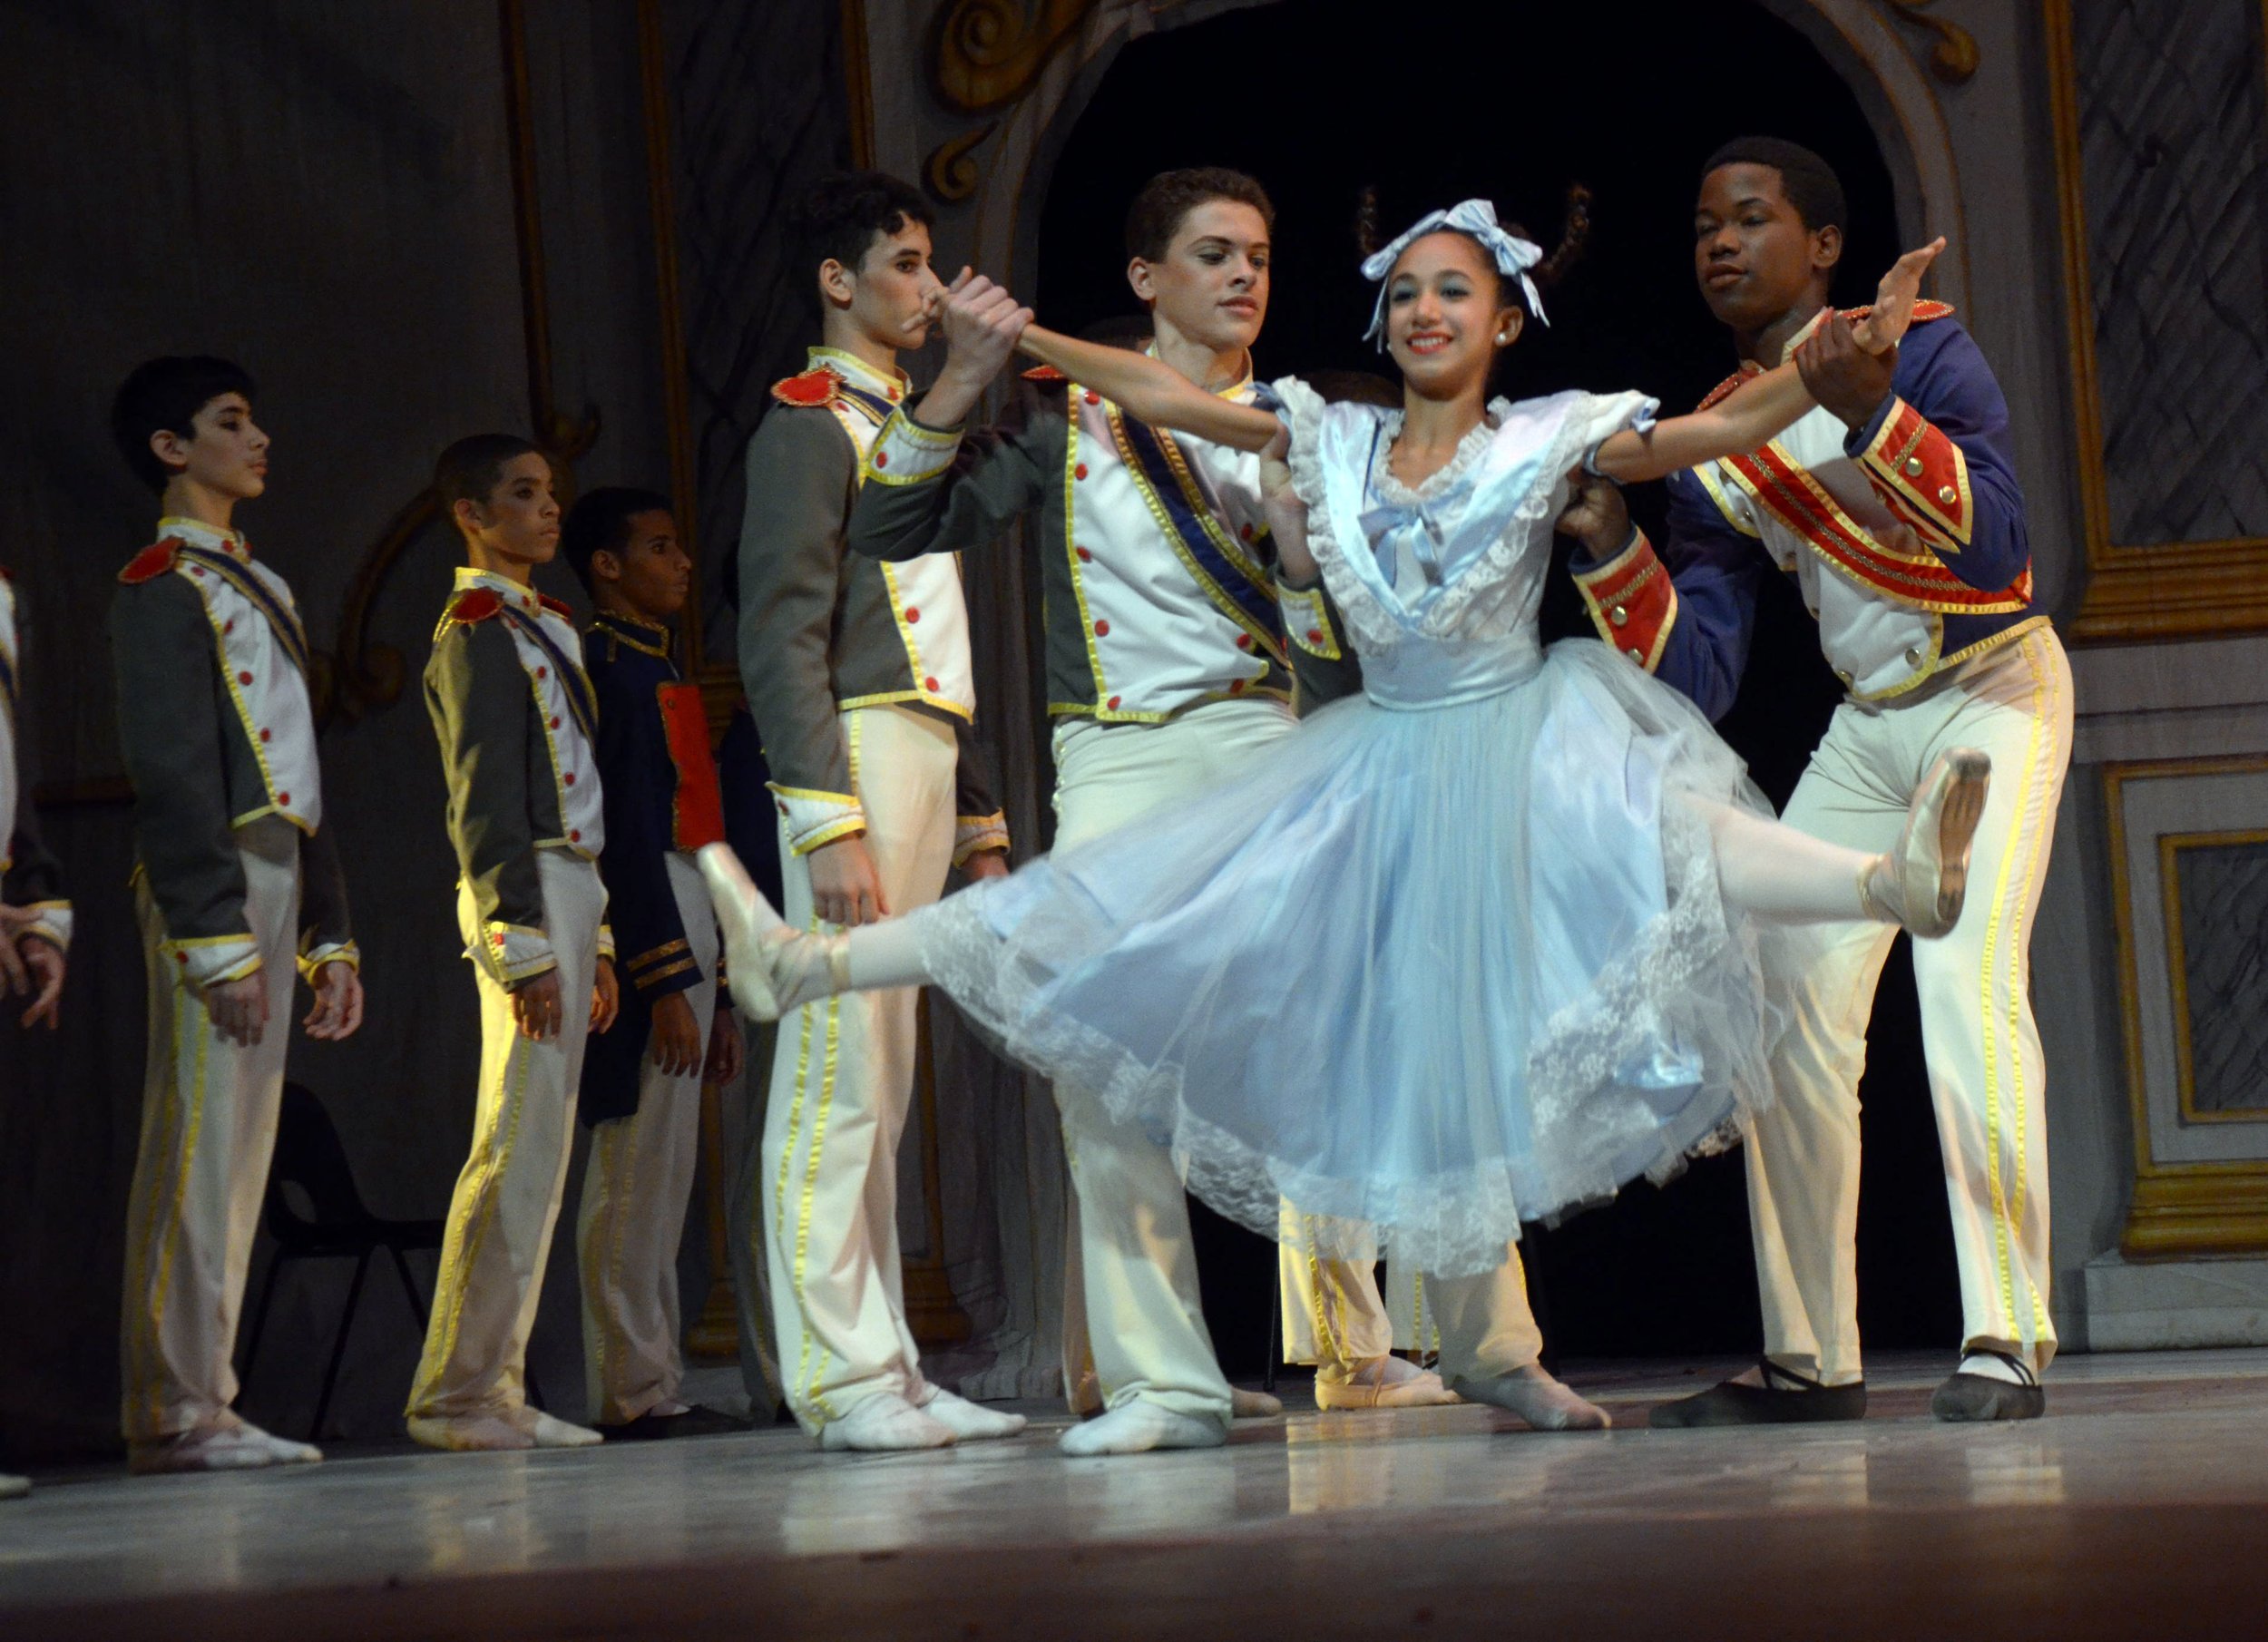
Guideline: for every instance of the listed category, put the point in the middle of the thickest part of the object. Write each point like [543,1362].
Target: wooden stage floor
[2138,1509]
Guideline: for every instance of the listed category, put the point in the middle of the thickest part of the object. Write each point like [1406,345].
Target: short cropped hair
[167,394]
[469,470]
[1809,183]
[1166,200]
[839,218]
[599,522]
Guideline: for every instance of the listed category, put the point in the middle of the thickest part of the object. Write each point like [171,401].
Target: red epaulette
[815,386]
[1044,373]
[473,604]
[151,562]
[557,607]
[1923,312]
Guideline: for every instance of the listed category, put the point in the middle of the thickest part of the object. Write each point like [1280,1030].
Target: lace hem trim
[1452,1224]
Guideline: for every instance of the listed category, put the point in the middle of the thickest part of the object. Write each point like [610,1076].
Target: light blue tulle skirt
[1425,974]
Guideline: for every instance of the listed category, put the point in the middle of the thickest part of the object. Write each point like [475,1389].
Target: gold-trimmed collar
[893,384]
[198,534]
[651,638]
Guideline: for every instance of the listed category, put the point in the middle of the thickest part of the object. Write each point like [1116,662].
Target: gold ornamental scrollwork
[1954,57]
[950,172]
[988,54]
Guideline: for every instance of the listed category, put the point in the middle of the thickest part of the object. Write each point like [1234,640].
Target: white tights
[1771,870]
[1766,867]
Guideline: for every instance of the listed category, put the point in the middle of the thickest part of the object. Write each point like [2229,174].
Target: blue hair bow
[1514,256]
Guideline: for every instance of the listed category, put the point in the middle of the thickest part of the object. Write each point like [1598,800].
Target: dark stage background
[1514,107]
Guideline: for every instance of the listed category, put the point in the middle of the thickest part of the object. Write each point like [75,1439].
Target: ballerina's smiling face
[1447,315]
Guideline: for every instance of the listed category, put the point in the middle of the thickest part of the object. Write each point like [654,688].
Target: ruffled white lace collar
[1444,479]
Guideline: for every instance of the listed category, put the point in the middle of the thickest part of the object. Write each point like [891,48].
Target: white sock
[968,1420]
[888,955]
[1135,1428]
[1774,871]
[885,1422]
[1986,1366]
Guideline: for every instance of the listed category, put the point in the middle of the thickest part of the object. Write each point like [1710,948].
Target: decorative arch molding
[1061,49]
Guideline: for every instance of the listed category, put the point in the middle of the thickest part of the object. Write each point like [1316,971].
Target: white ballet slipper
[882,1424]
[469,1434]
[13,1488]
[1386,1381]
[967,1421]
[1135,1428]
[546,1430]
[224,1442]
[1253,1404]
[774,968]
[1536,1397]
[1922,882]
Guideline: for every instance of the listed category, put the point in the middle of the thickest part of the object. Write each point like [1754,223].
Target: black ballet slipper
[692,1422]
[1785,1398]
[1966,1397]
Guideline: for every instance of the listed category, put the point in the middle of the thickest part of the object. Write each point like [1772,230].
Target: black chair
[310,1167]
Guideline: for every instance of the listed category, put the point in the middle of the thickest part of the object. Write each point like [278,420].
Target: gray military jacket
[213,720]
[823,632]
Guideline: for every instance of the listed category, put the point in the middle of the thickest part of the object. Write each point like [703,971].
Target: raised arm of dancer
[1760,410]
[1151,390]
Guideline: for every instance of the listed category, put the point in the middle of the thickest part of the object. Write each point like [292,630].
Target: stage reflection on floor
[2147,1484]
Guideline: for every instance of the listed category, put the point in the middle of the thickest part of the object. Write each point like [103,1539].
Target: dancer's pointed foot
[885,1422]
[1253,1404]
[1135,1428]
[223,1443]
[547,1431]
[774,967]
[469,1434]
[1387,1382]
[1921,883]
[1536,1397]
[969,1422]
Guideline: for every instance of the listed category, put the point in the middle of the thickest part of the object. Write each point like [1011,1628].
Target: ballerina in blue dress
[1475,947]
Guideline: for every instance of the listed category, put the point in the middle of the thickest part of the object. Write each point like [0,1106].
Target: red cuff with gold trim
[1632,601]
[1922,476]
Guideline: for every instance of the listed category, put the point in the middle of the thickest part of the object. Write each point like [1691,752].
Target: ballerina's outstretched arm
[1757,412]
[1151,390]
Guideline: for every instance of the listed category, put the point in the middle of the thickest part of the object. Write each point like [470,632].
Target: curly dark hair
[839,218]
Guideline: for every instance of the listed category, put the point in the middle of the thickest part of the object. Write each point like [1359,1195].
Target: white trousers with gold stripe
[1130,1294]
[1986,1074]
[507,1200]
[842,1081]
[1335,1315]
[636,1184]
[208,1111]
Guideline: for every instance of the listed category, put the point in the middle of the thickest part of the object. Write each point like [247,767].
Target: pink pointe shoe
[1922,882]
[774,968]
